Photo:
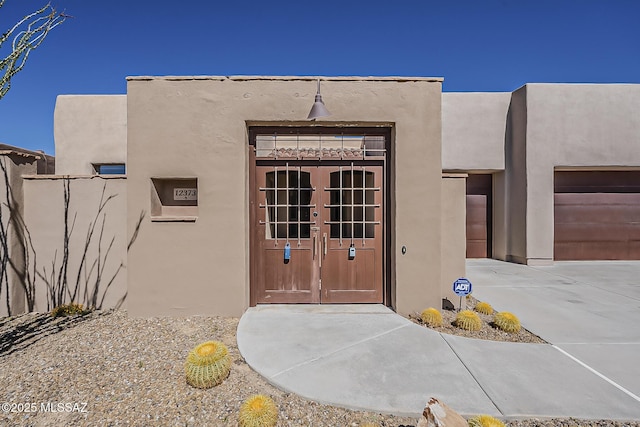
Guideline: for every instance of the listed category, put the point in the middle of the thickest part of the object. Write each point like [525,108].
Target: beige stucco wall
[500,216]
[473,131]
[582,126]
[15,165]
[89,129]
[516,178]
[44,216]
[474,127]
[197,128]
[454,239]
[530,133]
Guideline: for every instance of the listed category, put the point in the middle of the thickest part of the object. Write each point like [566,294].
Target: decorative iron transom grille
[301,146]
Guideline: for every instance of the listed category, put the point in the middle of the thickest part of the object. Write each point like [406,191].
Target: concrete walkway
[367,357]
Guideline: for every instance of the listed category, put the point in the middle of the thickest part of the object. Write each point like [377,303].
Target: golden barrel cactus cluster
[431,317]
[507,322]
[208,364]
[70,309]
[485,421]
[468,320]
[484,308]
[258,411]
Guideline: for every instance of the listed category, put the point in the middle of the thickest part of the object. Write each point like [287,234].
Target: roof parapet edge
[45,176]
[289,78]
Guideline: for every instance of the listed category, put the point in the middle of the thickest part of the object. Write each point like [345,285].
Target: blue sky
[476,45]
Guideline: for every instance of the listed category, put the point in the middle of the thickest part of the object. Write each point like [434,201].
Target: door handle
[324,241]
[313,249]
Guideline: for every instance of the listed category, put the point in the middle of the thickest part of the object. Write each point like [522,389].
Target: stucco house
[245,201]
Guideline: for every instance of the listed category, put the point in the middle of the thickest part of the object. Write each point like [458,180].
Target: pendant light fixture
[318,109]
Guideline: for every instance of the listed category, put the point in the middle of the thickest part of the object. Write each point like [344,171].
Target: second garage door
[597,215]
[479,215]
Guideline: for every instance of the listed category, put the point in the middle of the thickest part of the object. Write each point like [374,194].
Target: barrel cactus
[484,308]
[431,317]
[468,320]
[258,411]
[70,309]
[485,421]
[507,322]
[208,364]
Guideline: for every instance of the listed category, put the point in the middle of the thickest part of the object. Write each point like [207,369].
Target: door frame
[329,129]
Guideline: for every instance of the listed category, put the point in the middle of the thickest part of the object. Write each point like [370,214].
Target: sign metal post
[462,288]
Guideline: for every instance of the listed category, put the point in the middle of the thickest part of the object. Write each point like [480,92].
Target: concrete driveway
[368,357]
[590,310]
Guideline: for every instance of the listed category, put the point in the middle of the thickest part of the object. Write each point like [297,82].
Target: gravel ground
[113,370]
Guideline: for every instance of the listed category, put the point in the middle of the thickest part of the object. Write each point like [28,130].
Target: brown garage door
[597,215]
[479,216]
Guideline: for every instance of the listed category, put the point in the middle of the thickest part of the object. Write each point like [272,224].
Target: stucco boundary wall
[44,212]
[454,239]
[15,164]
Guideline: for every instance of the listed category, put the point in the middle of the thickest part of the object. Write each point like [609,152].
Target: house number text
[185,194]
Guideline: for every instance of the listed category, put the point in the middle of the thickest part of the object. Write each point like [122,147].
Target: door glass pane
[288,204]
[352,204]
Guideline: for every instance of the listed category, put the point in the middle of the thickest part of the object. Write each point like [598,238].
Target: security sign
[462,287]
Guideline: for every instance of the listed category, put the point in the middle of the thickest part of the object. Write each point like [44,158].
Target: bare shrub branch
[26,35]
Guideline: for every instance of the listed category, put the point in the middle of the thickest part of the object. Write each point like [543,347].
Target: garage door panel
[608,213]
[600,223]
[595,232]
[634,249]
[612,250]
[477,231]
[476,212]
[477,226]
[598,198]
[608,208]
[476,248]
[597,181]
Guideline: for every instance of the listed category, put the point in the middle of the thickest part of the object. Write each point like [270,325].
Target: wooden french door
[318,232]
